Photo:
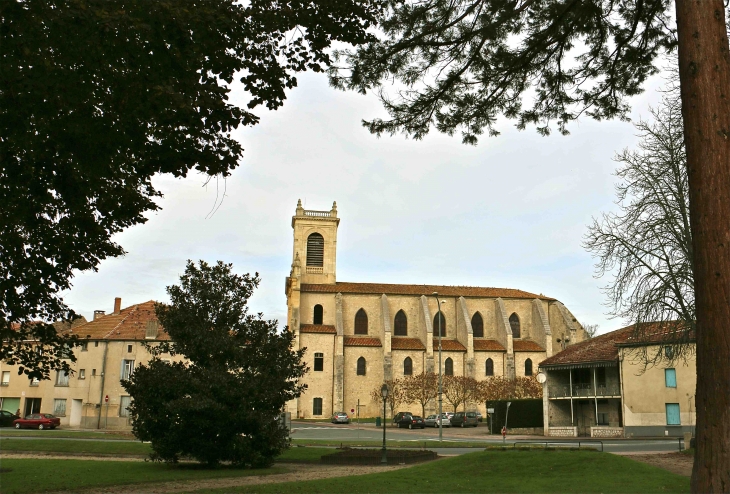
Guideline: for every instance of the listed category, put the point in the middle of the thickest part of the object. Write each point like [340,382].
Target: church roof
[128,324]
[448,345]
[406,344]
[526,346]
[361,341]
[488,346]
[317,328]
[445,290]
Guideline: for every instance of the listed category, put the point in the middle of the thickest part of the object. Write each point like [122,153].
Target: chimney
[98,314]
[117,305]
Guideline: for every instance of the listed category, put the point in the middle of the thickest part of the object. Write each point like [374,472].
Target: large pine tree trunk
[704,71]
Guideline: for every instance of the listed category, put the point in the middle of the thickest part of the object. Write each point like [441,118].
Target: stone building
[357,335]
[602,388]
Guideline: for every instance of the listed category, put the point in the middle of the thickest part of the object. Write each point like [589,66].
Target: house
[602,388]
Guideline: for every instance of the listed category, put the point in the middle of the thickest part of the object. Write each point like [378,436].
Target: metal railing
[583,391]
[560,443]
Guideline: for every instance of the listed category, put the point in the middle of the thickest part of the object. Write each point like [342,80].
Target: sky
[510,212]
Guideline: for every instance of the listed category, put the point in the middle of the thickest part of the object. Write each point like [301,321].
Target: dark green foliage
[522,413]
[98,96]
[463,63]
[222,404]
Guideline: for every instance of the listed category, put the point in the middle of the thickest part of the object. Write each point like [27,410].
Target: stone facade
[323,314]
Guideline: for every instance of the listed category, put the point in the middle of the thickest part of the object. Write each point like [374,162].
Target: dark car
[412,422]
[37,421]
[7,418]
[399,416]
[464,419]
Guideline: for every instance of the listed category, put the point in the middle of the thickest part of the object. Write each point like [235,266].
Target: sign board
[490,410]
[352,410]
[106,399]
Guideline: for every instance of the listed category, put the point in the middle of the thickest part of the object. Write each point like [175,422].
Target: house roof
[128,324]
[317,328]
[361,341]
[445,290]
[448,345]
[526,346]
[659,333]
[406,344]
[488,346]
[601,348]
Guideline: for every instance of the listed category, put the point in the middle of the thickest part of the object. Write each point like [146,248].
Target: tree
[591,330]
[421,388]
[98,96]
[463,63]
[646,247]
[460,390]
[396,395]
[222,403]
[501,388]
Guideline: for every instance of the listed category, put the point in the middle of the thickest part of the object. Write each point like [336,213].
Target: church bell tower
[315,244]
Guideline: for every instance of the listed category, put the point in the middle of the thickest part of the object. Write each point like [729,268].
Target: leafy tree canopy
[221,403]
[98,96]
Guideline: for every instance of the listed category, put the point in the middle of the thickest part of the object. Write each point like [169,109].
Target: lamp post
[384,394]
[506,416]
[441,379]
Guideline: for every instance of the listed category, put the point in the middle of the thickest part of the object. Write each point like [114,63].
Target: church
[358,335]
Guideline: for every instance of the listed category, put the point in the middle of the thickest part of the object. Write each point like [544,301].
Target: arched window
[439,316]
[408,367]
[361,322]
[528,367]
[361,366]
[449,367]
[317,314]
[514,323]
[477,326]
[489,367]
[400,328]
[315,250]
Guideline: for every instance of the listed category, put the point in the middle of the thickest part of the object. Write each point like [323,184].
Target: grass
[502,471]
[394,444]
[31,475]
[63,446]
[70,434]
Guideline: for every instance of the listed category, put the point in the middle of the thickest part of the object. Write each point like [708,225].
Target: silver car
[433,421]
[340,418]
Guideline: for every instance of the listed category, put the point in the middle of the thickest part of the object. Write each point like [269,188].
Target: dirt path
[674,462]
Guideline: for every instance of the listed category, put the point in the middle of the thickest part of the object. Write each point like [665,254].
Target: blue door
[673,414]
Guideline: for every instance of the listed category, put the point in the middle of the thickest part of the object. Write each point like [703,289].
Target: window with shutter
[673,414]
[670,378]
[315,250]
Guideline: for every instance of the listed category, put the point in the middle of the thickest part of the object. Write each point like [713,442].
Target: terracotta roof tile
[406,344]
[129,324]
[488,346]
[393,289]
[526,346]
[601,348]
[359,341]
[449,345]
[317,328]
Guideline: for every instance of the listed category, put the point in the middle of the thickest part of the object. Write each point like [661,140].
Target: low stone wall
[563,431]
[526,431]
[605,431]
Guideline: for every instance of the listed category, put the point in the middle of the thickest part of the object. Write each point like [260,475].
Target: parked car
[7,418]
[433,421]
[479,416]
[340,418]
[399,416]
[464,419]
[37,421]
[412,422]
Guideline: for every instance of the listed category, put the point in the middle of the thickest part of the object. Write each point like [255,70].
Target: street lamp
[384,394]
[506,416]
[441,379]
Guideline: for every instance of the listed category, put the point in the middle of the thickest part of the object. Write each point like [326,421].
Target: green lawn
[395,444]
[31,475]
[78,435]
[503,471]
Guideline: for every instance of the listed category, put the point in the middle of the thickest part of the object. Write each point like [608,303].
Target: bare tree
[421,389]
[501,388]
[459,390]
[396,394]
[646,247]
[591,330]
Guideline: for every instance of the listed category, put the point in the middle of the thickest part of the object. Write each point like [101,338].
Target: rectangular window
[85,346]
[319,362]
[61,378]
[673,414]
[59,408]
[82,374]
[317,406]
[670,378]
[93,372]
[602,419]
[601,377]
[129,348]
[124,403]
[96,344]
[34,381]
[127,369]
[6,378]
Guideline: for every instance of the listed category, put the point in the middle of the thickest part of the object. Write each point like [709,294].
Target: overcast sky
[510,212]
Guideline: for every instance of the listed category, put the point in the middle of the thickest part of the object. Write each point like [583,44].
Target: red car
[38,421]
